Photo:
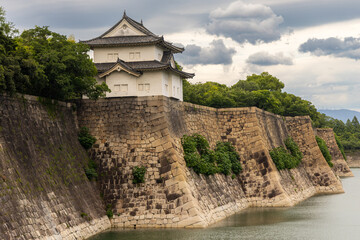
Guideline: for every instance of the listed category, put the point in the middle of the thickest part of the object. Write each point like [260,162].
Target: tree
[45,63]
[67,72]
[264,81]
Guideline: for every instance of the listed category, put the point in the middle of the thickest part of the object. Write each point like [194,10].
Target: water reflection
[321,217]
[259,216]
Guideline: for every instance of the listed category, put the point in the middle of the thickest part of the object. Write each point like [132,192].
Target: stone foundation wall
[147,132]
[353,159]
[340,167]
[44,192]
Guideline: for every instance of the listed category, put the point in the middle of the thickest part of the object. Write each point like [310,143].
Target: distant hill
[341,114]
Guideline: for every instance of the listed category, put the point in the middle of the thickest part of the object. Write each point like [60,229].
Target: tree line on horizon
[266,92]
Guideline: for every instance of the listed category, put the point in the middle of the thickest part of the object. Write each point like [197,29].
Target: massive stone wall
[147,131]
[44,192]
[340,167]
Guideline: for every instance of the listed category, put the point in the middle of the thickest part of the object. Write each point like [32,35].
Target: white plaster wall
[154,79]
[120,31]
[158,53]
[166,80]
[147,53]
[176,87]
[118,78]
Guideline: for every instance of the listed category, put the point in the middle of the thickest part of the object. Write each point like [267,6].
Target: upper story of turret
[130,41]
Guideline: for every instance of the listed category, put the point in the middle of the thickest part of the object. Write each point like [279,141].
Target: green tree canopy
[263,91]
[67,70]
[44,63]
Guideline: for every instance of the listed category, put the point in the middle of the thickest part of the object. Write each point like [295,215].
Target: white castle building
[133,61]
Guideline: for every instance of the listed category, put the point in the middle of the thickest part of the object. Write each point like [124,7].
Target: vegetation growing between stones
[198,156]
[50,106]
[109,211]
[85,138]
[324,150]
[139,174]
[340,146]
[287,158]
[91,170]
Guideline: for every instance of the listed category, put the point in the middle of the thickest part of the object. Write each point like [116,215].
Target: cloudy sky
[312,46]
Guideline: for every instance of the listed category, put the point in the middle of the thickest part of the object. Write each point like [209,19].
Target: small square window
[147,86]
[123,88]
[110,56]
[116,56]
[131,55]
[137,55]
[141,87]
[117,87]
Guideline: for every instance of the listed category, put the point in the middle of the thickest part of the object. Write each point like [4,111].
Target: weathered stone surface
[353,159]
[44,192]
[131,133]
[340,167]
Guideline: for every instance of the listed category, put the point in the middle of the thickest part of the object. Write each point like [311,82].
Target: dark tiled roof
[147,65]
[142,66]
[166,57]
[122,41]
[103,67]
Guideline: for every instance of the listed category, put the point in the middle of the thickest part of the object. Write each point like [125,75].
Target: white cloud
[266,59]
[216,53]
[347,48]
[253,23]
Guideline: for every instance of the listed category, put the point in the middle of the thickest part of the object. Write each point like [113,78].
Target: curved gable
[124,28]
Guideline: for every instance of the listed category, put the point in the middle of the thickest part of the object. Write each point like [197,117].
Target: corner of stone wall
[340,166]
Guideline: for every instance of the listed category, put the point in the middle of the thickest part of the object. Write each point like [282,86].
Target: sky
[311,46]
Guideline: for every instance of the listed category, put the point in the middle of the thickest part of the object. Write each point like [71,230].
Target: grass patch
[109,211]
[324,150]
[91,170]
[287,158]
[85,138]
[198,156]
[340,146]
[139,174]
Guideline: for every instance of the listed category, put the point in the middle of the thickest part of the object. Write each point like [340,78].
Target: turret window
[134,55]
[120,88]
[144,87]
[112,57]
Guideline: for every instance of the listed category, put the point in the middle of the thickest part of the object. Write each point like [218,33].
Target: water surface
[320,217]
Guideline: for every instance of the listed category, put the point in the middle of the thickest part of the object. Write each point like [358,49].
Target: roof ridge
[139,26]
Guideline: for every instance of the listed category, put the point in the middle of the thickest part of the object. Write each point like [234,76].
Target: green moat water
[320,217]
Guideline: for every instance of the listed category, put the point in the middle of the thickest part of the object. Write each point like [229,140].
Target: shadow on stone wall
[147,132]
[44,192]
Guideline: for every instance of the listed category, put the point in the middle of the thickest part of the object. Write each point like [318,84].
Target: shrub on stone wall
[139,174]
[340,146]
[198,156]
[91,170]
[109,211]
[287,158]
[324,150]
[85,138]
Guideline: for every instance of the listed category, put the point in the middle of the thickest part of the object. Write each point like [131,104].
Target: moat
[319,217]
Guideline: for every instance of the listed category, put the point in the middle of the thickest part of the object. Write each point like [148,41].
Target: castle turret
[133,61]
